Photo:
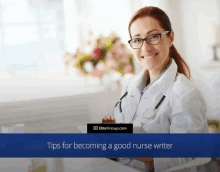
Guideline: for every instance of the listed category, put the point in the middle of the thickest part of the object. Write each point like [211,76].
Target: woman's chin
[148,67]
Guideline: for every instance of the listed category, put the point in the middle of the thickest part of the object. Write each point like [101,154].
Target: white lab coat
[183,110]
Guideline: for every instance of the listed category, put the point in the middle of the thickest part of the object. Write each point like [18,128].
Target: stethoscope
[120,101]
[149,112]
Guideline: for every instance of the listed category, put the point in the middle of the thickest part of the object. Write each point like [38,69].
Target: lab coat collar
[140,81]
[163,83]
[167,79]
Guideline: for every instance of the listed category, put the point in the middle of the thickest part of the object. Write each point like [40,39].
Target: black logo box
[109,128]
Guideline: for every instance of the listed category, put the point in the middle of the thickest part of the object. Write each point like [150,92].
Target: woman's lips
[150,54]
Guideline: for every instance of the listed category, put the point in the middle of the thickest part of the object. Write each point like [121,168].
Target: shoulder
[183,88]
[126,82]
[182,85]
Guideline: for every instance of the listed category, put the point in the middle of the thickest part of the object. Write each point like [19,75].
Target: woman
[161,99]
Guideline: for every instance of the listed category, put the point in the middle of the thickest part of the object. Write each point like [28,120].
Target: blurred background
[55,48]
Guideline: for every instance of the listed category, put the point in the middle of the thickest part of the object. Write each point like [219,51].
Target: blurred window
[31,31]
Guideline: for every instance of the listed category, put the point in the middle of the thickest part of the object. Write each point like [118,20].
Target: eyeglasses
[153,39]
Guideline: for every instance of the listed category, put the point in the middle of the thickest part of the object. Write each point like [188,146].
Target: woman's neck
[148,82]
[153,74]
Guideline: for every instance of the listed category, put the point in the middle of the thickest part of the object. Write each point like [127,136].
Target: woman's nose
[145,46]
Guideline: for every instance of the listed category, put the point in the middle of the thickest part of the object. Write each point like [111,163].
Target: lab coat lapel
[154,93]
[134,95]
[161,87]
[153,96]
[167,79]
[134,98]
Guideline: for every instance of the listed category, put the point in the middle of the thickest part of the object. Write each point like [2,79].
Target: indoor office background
[41,90]
[38,36]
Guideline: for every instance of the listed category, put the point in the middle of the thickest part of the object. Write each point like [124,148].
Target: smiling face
[142,28]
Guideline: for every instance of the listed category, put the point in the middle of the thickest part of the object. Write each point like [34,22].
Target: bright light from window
[17,14]
[13,2]
[20,35]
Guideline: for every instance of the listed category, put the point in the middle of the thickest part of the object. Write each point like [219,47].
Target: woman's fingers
[108,120]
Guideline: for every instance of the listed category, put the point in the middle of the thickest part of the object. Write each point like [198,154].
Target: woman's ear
[171,37]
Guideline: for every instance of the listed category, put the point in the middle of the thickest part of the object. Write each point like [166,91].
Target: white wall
[197,16]
[174,12]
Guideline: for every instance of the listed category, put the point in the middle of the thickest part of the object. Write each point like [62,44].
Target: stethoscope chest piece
[149,113]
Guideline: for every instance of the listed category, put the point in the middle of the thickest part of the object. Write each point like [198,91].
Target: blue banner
[110,145]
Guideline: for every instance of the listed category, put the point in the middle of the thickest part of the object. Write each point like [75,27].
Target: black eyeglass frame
[146,39]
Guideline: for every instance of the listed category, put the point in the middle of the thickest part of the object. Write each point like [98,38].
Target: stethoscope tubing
[127,93]
[159,103]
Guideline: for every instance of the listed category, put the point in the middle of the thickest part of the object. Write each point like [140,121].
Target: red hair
[164,22]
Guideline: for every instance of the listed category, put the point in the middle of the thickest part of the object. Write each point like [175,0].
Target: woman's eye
[154,36]
[136,40]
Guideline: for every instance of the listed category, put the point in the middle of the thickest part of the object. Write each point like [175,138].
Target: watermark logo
[95,127]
